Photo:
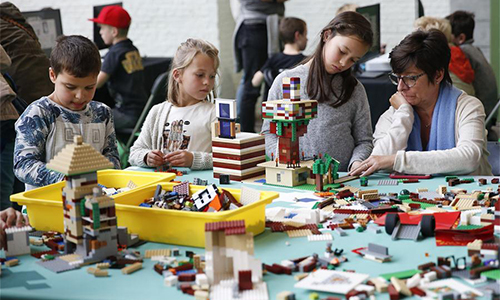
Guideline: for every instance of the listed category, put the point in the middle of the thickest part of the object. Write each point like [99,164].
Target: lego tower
[289,118]
[236,154]
[89,216]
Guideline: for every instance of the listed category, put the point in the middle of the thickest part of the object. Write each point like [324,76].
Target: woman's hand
[373,164]
[180,158]
[154,158]
[397,100]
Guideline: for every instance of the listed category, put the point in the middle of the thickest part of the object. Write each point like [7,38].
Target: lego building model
[235,153]
[17,241]
[89,215]
[232,271]
[289,119]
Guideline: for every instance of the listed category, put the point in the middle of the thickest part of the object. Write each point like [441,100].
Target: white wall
[159,26]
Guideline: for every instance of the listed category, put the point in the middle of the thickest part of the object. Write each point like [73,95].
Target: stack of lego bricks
[239,157]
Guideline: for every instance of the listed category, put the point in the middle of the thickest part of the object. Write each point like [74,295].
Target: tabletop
[31,281]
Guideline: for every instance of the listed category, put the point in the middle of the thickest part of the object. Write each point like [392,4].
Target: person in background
[122,67]
[50,123]
[431,127]
[254,39]
[28,79]
[461,72]
[178,131]
[293,33]
[8,115]
[29,63]
[342,128]
[462,32]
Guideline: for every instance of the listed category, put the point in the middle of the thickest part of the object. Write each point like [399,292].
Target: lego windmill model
[89,216]
[288,120]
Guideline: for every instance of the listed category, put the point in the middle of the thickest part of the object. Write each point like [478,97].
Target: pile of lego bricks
[206,200]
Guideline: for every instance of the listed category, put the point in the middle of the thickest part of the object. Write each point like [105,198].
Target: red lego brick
[417,291]
[245,280]
[187,277]
[393,293]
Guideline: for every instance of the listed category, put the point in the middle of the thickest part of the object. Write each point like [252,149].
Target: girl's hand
[397,100]
[180,158]
[373,164]
[154,158]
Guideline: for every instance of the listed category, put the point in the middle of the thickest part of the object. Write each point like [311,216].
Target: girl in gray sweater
[343,126]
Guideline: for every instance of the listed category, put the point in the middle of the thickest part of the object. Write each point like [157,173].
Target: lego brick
[299,233]
[400,286]
[320,237]
[132,268]
[57,265]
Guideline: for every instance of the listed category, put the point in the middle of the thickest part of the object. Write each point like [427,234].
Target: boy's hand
[154,158]
[180,158]
[8,218]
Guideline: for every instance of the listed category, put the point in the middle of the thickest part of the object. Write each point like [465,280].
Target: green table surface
[31,281]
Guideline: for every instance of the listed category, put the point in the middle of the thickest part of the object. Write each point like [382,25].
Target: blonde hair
[346,7]
[183,58]
[428,23]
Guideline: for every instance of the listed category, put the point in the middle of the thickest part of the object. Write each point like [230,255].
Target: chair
[158,95]
[494,158]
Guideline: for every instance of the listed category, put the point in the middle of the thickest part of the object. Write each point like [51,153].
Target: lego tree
[319,168]
[289,119]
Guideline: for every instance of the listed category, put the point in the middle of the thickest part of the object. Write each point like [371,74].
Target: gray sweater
[345,132]
[484,78]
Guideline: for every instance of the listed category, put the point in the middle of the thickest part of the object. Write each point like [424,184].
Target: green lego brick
[82,207]
[449,177]
[422,205]
[401,274]
[468,227]
[96,214]
[492,274]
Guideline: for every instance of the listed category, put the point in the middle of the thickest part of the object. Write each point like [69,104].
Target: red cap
[113,15]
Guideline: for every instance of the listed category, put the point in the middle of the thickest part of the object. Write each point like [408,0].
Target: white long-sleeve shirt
[468,157]
[196,128]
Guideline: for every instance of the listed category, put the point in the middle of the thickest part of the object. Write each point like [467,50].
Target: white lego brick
[320,237]
[413,281]
[201,279]
[431,276]
[171,280]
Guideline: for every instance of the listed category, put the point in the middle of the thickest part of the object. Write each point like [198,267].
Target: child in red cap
[122,67]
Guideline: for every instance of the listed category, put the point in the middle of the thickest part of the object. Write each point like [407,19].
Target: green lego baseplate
[401,274]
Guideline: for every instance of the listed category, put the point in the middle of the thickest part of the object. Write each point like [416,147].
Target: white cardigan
[468,157]
[201,116]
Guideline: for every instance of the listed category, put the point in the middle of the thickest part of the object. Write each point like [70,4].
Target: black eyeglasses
[408,80]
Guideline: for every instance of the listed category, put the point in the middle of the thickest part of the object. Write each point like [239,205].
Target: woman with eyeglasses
[431,126]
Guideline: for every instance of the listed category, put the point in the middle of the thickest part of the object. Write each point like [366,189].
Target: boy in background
[462,30]
[293,33]
[49,124]
[122,67]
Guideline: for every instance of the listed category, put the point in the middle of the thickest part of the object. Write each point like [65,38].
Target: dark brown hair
[288,27]
[462,22]
[427,50]
[346,24]
[75,55]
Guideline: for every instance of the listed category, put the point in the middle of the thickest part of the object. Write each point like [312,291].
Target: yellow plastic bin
[44,204]
[184,227]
